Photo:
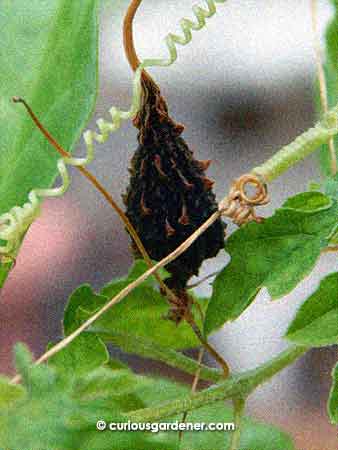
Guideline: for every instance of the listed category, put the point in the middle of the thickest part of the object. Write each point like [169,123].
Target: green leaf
[314,186]
[309,202]
[86,353]
[332,405]
[138,269]
[151,349]
[276,254]
[9,392]
[115,364]
[316,322]
[39,419]
[49,57]
[108,440]
[85,297]
[140,314]
[82,296]
[53,415]
[107,383]
[254,435]
[160,390]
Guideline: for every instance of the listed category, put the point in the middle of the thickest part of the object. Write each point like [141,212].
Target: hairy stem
[239,406]
[321,79]
[300,148]
[129,226]
[151,349]
[285,158]
[124,292]
[193,387]
[239,386]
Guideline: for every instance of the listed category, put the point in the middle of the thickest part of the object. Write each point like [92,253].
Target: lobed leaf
[316,322]
[141,314]
[276,254]
[86,353]
[52,415]
[309,202]
[40,417]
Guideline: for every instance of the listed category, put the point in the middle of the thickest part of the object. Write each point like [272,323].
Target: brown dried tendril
[239,205]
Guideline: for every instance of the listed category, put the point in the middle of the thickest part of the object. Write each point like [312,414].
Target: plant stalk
[151,349]
[236,386]
[322,79]
[300,148]
[271,169]
[239,406]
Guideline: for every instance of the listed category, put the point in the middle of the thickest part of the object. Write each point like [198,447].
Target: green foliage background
[52,62]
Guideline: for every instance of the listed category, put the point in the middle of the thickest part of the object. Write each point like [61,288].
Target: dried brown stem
[124,292]
[92,179]
[128,40]
[100,188]
[330,248]
[226,207]
[193,387]
[202,280]
[119,211]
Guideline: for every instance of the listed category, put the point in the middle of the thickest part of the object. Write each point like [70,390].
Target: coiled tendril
[14,224]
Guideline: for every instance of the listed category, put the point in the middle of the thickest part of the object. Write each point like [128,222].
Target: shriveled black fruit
[169,195]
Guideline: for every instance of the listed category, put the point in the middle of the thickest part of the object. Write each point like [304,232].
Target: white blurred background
[243,88]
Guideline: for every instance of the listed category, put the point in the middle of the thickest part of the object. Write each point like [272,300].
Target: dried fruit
[169,195]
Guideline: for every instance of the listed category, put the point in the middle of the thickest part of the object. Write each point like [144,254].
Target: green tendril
[14,224]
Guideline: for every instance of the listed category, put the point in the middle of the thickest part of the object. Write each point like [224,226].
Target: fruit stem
[100,188]
[128,40]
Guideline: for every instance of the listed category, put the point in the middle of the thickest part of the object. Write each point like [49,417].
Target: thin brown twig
[202,280]
[193,387]
[322,80]
[226,207]
[199,309]
[128,40]
[94,181]
[237,205]
[134,62]
[188,317]
[330,248]
[124,292]
[124,219]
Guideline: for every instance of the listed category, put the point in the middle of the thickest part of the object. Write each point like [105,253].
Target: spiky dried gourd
[169,195]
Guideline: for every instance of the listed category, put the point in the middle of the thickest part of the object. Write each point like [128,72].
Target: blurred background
[243,88]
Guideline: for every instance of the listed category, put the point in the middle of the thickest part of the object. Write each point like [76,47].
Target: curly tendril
[14,224]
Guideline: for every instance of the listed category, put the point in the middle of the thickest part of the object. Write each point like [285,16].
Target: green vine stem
[300,148]
[322,79]
[239,406]
[150,349]
[236,386]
